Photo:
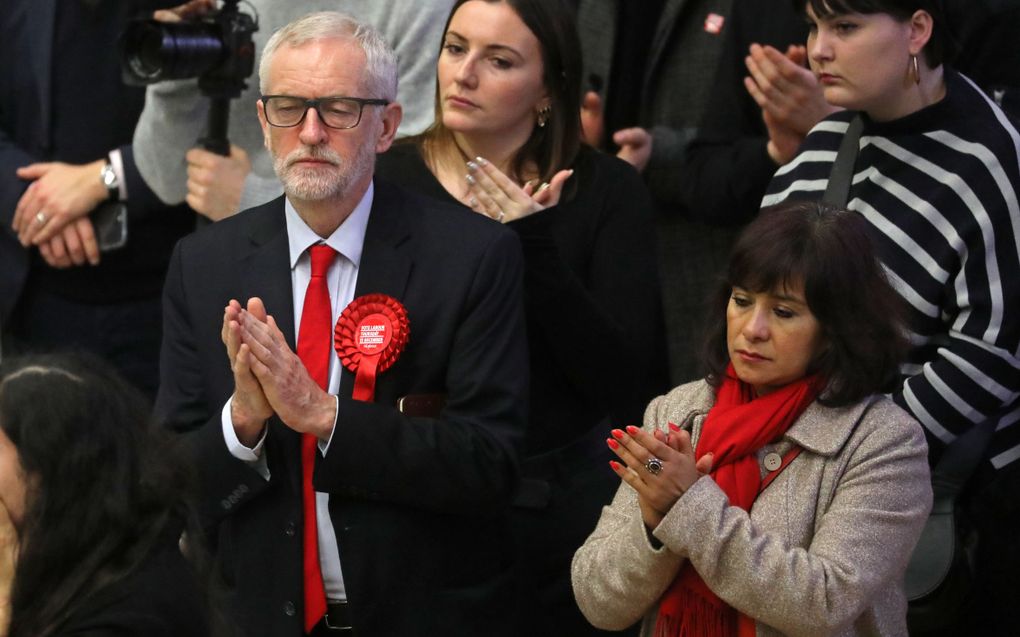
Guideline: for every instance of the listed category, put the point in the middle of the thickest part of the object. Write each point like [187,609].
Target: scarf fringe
[698,617]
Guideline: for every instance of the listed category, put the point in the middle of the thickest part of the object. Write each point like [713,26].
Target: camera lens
[158,51]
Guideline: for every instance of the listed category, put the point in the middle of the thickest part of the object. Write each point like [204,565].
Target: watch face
[109,176]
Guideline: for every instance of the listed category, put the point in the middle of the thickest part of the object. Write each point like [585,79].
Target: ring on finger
[502,214]
[40,217]
[653,465]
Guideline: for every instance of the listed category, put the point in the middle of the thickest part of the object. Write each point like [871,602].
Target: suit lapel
[265,266]
[667,23]
[42,22]
[385,259]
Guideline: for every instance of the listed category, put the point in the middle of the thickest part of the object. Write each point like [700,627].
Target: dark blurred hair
[554,146]
[845,287]
[102,483]
[941,46]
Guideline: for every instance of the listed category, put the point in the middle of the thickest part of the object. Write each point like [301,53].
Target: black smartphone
[110,223]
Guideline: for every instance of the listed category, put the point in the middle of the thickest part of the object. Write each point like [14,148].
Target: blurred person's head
[805,294]
[327,152]
[870,54]
[511,69]
[86,478]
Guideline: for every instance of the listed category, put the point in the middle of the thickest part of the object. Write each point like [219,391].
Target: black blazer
[417,503]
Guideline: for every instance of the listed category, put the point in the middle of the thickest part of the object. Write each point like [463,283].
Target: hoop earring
[917,70]
[543,116]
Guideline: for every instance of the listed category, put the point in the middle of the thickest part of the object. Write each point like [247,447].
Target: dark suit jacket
[417,503]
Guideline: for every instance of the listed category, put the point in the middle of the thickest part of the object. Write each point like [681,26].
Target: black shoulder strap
[838,189]
[959,461]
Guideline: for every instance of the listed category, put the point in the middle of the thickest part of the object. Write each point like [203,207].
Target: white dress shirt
[341,279]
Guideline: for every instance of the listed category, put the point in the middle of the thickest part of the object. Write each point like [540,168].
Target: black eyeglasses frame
[315,103]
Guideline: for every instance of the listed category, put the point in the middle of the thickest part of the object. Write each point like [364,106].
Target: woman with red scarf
[782,494]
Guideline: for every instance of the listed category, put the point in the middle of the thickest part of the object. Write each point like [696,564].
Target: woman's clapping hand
[659,466]
[495,195]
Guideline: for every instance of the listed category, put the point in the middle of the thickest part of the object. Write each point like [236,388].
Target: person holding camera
[79,266]
[218,185]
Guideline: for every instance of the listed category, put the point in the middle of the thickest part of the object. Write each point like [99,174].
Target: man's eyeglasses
[285,111]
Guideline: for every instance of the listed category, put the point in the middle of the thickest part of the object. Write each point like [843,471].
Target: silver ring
[40,217]
[653,466]
[501,215]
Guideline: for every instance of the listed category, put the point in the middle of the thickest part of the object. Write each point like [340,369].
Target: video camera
[217,49]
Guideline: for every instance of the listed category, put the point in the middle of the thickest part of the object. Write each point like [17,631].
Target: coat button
[288,609]
[290,529]
[773,461]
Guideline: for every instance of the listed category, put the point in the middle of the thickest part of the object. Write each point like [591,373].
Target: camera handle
[215,140]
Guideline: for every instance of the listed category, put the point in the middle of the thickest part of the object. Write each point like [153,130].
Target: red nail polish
[612,444]
[674,427]
[615,465]
[617,434]
[631,429]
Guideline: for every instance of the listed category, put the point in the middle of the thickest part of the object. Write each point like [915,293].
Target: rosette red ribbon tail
[364,378]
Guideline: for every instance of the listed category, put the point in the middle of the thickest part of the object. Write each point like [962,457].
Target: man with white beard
[348,482]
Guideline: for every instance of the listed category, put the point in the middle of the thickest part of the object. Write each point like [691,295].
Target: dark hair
[553,146]
[102,483]
[845,287]
[940,47]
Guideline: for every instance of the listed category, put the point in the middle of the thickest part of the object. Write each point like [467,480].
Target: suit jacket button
[773,461]
[290,529]
[288,609]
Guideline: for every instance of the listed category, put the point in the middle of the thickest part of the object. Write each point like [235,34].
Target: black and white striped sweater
[939,189]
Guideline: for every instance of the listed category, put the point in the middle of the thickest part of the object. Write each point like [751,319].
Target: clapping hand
[661,467]
[789,95]
[288,388]
[249,408]
[495,195]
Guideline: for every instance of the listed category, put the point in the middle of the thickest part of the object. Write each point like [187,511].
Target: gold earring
[543,115]
[917,70]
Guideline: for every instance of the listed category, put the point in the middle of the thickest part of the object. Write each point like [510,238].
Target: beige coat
[823,551]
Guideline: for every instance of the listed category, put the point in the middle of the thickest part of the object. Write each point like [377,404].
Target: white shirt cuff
[253,456]
[324,444]
[118,167]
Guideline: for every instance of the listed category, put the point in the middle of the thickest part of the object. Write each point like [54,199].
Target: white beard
[323,181]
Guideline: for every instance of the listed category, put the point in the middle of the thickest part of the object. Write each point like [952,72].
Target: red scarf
[737,426]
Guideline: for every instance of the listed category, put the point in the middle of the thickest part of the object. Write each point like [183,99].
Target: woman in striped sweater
[937,179]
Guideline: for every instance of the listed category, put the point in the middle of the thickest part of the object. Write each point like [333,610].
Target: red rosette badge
[370,335]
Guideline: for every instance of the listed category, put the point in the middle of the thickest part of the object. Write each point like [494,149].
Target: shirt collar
[348,239]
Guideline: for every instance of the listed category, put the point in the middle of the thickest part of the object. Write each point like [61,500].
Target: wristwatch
[109,178]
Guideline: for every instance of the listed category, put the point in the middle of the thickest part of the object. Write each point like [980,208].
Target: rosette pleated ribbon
[369,337]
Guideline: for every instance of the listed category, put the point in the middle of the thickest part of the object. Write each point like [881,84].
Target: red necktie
[314,349]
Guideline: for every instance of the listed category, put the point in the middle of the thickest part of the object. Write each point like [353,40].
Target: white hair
[380,75]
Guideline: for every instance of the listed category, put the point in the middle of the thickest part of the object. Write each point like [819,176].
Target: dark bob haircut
[828,250]
[940,48]
[554,146]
